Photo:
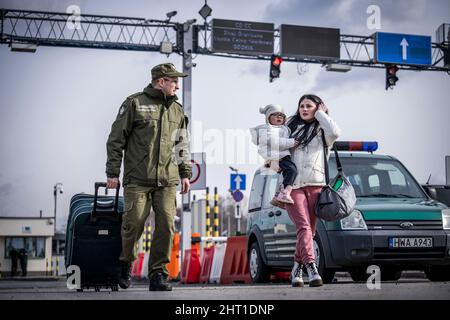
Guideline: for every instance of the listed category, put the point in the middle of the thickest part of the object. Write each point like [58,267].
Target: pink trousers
[303,214]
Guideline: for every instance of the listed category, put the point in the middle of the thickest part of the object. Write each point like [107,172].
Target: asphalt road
[410,286]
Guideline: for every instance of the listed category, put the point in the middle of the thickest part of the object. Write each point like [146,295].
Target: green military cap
[166,70]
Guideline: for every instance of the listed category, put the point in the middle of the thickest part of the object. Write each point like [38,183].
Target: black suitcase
[93,238]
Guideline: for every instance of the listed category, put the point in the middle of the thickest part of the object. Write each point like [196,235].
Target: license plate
[410,242]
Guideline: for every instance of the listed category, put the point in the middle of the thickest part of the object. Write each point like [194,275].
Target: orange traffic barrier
[207,259]
[235,266]
[174,265]
[196,241]
[136,269]
[190,272]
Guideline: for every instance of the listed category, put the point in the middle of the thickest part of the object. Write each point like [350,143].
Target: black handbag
[337,199]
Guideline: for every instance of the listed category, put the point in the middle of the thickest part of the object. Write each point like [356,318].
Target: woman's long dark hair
[301,130]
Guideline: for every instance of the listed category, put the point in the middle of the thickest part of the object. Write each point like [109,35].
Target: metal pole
[55,193]
[2,18]
[229,225]
[186,219]
[238,221]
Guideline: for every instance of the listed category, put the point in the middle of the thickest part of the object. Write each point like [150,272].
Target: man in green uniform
[151,131]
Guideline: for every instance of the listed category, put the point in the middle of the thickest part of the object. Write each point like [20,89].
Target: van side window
[272,183]
[257,192]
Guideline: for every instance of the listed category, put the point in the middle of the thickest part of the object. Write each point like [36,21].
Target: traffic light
[391,75]
[275,63]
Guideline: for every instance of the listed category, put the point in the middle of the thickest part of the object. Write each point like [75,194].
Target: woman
[307,126]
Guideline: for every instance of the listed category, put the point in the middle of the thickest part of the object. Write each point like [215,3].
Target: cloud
[41,5]
[351,16]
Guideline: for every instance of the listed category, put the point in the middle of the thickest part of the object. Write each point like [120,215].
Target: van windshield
[384,178]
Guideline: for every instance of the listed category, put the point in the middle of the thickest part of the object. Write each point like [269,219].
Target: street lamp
[170,14]
[57,187]
[234,169]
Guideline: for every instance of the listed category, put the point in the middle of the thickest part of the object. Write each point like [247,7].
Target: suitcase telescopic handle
[99,185]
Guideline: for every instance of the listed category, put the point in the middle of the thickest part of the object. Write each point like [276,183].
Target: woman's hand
[322,107]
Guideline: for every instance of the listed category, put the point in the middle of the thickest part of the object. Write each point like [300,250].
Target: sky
[57,105]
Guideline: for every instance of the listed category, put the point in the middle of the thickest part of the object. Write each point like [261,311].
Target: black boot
[158,282]
[125,274]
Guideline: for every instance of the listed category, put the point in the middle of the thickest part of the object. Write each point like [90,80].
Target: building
[33,234]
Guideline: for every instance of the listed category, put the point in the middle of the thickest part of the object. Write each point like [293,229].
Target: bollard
[46,266]
[144,241]
[57,266]
[149,237]
[216,213]
[208,221]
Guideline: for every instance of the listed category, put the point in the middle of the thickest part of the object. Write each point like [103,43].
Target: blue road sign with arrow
[237,181]
[406,49]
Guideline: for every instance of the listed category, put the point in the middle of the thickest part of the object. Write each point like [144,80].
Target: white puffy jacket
[309,160]
[273,141]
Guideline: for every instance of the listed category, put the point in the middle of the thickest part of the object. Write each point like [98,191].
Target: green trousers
[138,202]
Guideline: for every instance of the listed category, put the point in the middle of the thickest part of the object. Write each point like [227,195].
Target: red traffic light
[275,64]
[392,69]
[277,61]
[391,76]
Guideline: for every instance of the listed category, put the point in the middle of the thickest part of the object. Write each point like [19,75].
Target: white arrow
[404,45]
[238,181]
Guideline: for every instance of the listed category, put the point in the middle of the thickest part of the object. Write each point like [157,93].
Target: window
[378,177]
[256,192]
[272,183]
[35,246]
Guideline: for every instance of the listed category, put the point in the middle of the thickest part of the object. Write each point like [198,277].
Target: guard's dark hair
[300,129]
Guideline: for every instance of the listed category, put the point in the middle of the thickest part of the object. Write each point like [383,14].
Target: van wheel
[359,274]
[327,274]
[259,272]
[386,274]
[390,274]
[438,273]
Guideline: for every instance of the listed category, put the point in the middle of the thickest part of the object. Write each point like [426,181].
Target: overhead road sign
[310,42]
[242,37]
[407,49]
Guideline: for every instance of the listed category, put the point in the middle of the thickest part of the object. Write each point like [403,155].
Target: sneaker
[296,275]
[125,275]
[315,280]
[158,282]
[285,198]
[277,203]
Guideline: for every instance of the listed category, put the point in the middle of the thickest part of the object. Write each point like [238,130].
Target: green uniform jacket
[152,130]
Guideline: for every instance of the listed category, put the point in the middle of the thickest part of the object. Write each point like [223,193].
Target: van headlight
[355,221]
[446,219]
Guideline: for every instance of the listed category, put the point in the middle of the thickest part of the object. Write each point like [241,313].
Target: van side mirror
[431,191]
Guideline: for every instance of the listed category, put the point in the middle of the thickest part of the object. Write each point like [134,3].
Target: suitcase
[93,238]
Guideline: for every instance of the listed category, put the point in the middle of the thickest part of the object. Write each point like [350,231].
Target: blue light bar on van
[357,146]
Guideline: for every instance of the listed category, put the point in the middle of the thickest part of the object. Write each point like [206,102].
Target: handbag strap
[325,151]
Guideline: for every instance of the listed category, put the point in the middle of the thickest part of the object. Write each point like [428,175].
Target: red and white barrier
[217,263]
